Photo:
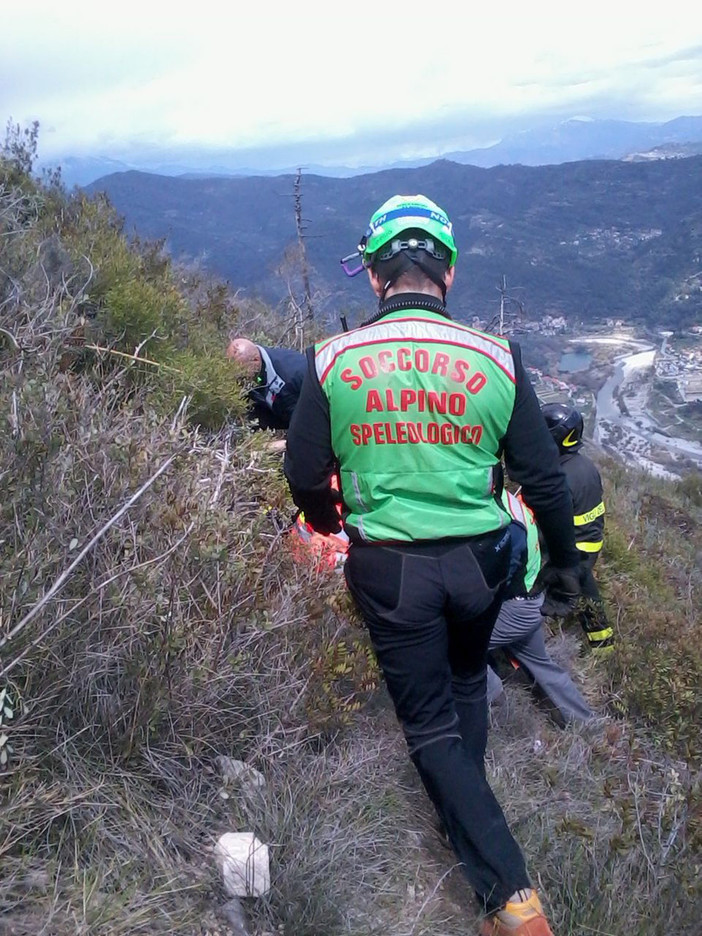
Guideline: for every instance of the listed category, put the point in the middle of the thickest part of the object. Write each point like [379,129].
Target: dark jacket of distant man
[277,375]
[278,386]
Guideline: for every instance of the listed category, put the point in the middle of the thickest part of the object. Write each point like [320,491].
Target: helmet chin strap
[430,274]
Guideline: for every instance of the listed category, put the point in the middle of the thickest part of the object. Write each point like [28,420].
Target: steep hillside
[157,616]
[589,240]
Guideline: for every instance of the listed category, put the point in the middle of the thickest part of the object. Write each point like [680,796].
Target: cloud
[106,76]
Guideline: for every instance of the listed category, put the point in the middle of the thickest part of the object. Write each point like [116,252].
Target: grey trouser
[519,629]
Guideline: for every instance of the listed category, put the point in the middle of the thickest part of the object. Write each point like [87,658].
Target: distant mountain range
[570,140]
[589,240]
[581,138]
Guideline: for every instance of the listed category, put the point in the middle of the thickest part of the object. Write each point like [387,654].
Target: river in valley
[636,437]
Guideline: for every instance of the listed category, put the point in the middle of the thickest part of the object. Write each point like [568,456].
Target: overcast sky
[415,78]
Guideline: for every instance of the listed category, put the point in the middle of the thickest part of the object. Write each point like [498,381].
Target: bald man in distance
[276,375]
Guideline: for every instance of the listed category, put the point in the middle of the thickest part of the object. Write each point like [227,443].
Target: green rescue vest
[522,514]
[418,407]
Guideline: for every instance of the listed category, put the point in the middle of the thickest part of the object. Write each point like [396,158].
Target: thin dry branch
[63,578]
[132,357]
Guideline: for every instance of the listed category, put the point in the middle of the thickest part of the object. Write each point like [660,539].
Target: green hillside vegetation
[155,614]
[591,240]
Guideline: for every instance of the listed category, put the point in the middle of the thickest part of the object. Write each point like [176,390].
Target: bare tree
[500,323]
[300,228]
[294,270]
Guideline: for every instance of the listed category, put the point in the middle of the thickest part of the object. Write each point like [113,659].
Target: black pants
[588,583]
[591,609]
[430,610]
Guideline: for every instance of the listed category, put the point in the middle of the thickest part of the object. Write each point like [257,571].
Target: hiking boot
[522,916]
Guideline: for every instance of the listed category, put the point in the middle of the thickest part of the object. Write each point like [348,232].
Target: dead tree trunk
[500,323]
[300,228]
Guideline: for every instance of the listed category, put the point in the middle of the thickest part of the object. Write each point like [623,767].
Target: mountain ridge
[574,138]
[587,239]
[578,138]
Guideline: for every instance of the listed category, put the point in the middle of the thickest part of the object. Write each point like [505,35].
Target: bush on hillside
[139,644]
[67,267]
[691,487]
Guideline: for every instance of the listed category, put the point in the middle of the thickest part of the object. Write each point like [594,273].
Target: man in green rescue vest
[415,412]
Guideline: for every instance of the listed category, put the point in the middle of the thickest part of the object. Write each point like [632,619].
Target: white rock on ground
[244,863]
[236,770]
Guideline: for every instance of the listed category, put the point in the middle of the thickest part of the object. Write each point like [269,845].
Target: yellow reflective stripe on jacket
[589,547]
[600,635]
[582,519]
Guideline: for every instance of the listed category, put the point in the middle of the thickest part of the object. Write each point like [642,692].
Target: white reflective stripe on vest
[516,508]
[413,328]
[274,382]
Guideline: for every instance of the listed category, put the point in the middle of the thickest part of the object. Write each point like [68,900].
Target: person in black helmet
[565,424]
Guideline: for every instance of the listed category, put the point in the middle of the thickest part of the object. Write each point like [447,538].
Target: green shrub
[208,381]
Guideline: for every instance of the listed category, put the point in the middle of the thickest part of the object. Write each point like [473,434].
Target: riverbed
[636,437]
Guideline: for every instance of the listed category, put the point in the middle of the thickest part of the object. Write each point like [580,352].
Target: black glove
[562,588]
[323,517]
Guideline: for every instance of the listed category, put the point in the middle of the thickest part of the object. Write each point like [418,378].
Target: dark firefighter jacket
[277,387]
[585,486]
[424,326]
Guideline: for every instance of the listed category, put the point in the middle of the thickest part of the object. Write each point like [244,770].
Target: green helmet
[400,213]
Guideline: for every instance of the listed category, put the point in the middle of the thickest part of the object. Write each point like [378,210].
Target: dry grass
[611,814]
[605,820]
[140,643]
